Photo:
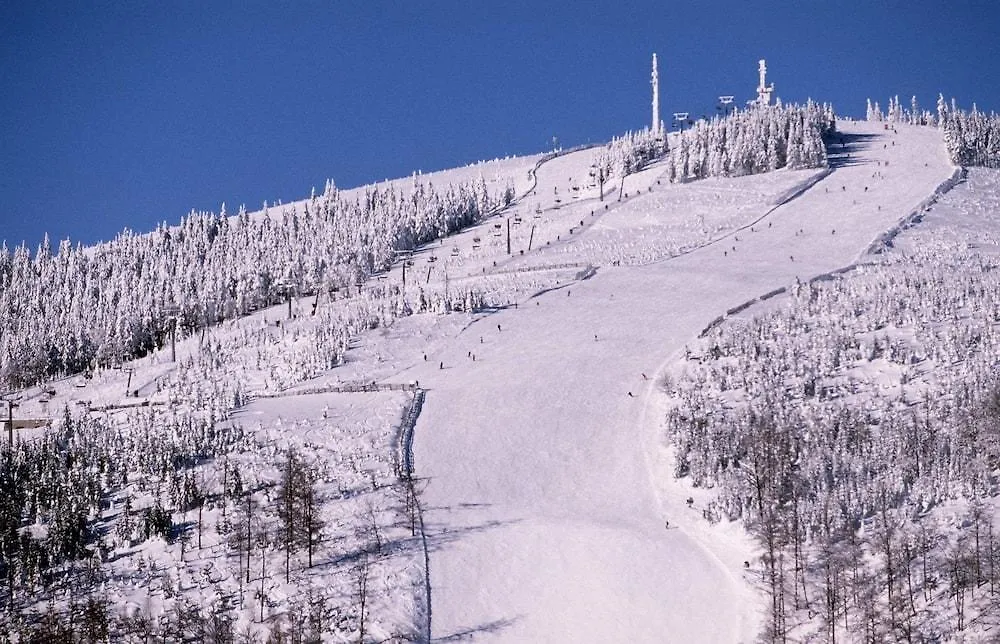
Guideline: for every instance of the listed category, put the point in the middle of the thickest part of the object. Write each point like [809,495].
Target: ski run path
[547,485]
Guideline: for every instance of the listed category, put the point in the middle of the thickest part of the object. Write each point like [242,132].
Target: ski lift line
[498,228]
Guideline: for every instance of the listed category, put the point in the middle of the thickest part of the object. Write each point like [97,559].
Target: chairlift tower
[286,288]
[10,425]
[726,104]
[655,82]
[764,90]
[173,313]
[680,118]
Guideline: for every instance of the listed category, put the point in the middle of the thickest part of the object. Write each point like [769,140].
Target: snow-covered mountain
[626,393]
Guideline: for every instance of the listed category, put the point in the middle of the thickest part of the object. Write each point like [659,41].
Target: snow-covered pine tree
[972,138]
[758,140]
[99,306]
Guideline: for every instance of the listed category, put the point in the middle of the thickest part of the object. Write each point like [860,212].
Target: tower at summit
[764,90]
[655,82]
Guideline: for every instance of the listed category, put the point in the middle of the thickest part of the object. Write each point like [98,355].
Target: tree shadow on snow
[495,626]
[843,150]
[439,535]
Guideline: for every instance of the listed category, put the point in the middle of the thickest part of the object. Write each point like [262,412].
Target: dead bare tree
[361,586]
[992,554]
[298,508]
[374,527]
[887,542]
[959,579]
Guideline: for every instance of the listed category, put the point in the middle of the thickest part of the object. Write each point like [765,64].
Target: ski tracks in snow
[548,487]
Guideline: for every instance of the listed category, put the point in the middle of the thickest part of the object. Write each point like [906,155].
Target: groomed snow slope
[547,489]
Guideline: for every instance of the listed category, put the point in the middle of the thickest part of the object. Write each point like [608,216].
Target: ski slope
[548,490]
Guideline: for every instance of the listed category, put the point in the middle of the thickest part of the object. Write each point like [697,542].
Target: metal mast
[655,82]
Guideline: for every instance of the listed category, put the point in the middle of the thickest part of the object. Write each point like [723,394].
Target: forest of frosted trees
[65,311]
[842,440]
[69,309]
[92,491]
[96,487]
[760,139]
[972,138]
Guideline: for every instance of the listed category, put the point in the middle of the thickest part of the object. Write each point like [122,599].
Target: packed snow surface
[550,511]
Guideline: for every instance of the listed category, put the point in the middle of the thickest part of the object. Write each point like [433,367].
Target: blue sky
[118,114]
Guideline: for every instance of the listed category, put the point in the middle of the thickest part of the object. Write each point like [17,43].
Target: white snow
[547,487]
[546,509]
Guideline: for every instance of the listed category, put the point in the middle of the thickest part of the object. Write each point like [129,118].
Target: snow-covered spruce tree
[971,138]
[753,141]
[73,309]
[631,152]
[895,111]
[942,111]
[913,116]
[838,481]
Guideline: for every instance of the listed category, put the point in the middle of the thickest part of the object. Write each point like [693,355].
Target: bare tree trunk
[263,561]
[888,553]
[907,559]
[924,548]
[375,531]
[831,598]
[799,557]
[783,629]
[310,522]
[225,485]
[959,579]
[992,555]
[312,525]
[977,517]
[288,491]
[249,539]
[362,582]
[239,557]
